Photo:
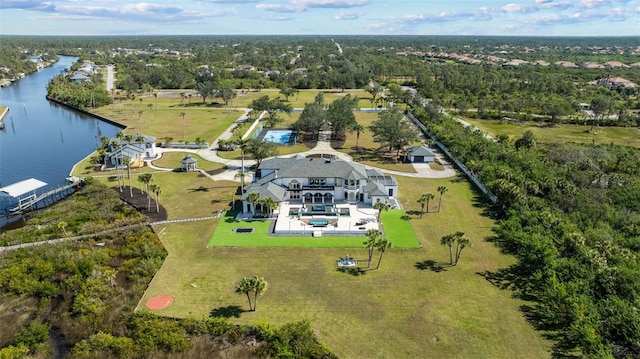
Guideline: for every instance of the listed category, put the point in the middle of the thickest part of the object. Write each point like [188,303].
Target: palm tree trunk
[157,204]
[249,298]
[380,259]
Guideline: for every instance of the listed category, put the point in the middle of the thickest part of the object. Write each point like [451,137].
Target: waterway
[42,139]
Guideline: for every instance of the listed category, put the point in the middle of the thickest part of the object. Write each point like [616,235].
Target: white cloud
[345,15]
[278,8]
[303,5]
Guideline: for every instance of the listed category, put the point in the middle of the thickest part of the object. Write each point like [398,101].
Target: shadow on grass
[230,311]
[356,272]
[432,265]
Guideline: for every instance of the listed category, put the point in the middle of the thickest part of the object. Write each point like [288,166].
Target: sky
[321,17]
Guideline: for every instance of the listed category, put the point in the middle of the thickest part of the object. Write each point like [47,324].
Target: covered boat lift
[20,195]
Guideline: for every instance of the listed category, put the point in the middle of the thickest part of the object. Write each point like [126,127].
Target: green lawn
[399,232]
[629,136]
[425,308]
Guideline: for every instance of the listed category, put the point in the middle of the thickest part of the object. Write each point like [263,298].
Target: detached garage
[420,154]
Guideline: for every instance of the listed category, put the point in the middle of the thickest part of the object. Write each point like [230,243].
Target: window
[338,182]
[294,185]
[317,181]
[294,195]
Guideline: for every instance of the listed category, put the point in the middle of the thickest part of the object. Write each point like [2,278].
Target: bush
[34,333]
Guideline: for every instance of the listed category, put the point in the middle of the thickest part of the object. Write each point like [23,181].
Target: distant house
[141,148]
[319,181]
[420,154]
[77,78]
[615,82]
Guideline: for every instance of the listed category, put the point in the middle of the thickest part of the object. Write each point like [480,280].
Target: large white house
[142,147]
[319,181]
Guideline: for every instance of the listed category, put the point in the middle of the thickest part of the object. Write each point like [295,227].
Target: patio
[341,219]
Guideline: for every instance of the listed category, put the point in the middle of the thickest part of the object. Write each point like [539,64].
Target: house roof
[419,151]
[265,190]
[146,139]
[188,160]
[375,189]
[19,188]
[315,167]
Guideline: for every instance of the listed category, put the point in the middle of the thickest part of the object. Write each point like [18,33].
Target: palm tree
[422,200]
[128,161]
[270,204]
[442,190]
[382,245]
[428,197]
[244,286]
[253,197]
[241,174]
[182,96]
[381,206]
[259,287]
[461,242]
[156,191]
[182,114]
[146,178]
[255,284]
[359,129]
[150,106]
[448,240]
[372,237]
[242,143]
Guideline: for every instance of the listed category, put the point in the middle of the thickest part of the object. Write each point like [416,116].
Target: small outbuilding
[189,164]
[420,154]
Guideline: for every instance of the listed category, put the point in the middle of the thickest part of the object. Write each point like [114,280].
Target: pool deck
[359,220]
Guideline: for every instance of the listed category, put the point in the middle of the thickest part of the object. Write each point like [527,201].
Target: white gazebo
[189,164]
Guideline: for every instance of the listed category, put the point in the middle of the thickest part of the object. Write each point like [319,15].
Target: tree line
[569,214]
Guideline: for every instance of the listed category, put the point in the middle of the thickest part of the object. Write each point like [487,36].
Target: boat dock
[21,197]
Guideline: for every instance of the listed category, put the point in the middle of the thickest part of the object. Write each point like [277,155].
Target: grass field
[415,305]
[399,232]
[564,133]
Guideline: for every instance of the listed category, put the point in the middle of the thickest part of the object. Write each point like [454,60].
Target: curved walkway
[323,146]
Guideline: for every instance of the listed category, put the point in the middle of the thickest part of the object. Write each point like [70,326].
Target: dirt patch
[159,302]
[139,202]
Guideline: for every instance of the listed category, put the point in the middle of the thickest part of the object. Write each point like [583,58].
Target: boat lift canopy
[20,188]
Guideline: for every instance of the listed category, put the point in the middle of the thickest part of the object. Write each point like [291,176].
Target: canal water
[42,139]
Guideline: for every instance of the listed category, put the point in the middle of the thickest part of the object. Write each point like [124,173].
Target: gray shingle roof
[419,151]
[265,190]
[375,189]
[315,167]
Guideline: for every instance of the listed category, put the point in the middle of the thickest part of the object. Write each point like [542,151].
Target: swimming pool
[282,137]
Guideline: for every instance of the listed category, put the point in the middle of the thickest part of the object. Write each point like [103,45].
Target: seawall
[104,119]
